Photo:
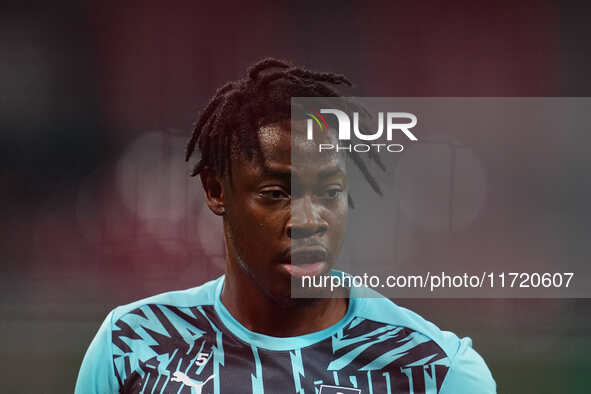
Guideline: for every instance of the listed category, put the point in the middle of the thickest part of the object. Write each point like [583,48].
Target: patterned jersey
[187,342]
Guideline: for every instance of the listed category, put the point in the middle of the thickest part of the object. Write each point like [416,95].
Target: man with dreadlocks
[243,332]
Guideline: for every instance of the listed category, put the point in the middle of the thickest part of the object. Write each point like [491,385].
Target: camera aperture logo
[395,122]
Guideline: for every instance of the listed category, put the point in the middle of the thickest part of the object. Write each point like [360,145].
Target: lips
[307,255]
[306,261]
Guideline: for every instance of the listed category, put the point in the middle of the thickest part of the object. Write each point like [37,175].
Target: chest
[220,365]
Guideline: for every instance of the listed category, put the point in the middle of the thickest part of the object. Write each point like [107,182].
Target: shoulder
[194,297]
[374,306]
[123,337]
[468,372]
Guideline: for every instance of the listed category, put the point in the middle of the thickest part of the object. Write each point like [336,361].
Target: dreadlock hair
[239,108]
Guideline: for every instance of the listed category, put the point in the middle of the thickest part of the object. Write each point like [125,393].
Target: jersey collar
[278,343]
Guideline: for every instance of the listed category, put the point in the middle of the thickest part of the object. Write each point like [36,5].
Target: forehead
[286,144]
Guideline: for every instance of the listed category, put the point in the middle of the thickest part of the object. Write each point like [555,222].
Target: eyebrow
[275,173]
[330,172]
[287,174]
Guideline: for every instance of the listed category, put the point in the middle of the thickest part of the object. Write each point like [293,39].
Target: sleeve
[96,375]
[468,373]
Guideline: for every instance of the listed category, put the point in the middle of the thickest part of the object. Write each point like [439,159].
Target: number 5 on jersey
[201,359]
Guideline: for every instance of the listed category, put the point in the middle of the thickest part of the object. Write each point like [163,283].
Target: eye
[332,193]
[274,194]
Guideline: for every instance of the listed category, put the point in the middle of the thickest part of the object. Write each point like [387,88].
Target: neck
[257,311]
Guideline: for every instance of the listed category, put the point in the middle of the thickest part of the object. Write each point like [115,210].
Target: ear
[214,191]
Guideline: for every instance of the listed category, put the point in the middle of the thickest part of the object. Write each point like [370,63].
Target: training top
[187,342]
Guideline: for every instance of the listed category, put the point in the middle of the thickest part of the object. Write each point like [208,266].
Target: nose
[305,219]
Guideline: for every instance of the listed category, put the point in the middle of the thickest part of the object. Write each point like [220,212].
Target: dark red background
[81,84]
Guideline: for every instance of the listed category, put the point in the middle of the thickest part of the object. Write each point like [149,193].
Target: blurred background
[97,102]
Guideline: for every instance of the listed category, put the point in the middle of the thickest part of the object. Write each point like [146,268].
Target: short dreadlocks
[240,108]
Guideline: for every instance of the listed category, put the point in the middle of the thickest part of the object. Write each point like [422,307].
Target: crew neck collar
[277,343]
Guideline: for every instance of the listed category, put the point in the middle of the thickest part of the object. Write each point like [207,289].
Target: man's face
[286,212]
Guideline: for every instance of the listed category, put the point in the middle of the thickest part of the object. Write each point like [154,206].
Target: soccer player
[243,332]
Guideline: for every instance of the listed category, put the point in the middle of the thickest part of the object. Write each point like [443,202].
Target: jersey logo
[198,386]
[324,389]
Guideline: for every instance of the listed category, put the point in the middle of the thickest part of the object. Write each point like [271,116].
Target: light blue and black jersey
[187,342]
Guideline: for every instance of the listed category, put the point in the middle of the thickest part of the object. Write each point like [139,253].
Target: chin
[288,302]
